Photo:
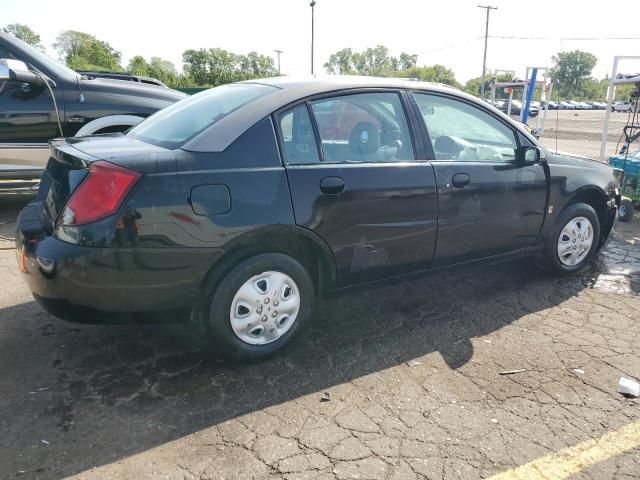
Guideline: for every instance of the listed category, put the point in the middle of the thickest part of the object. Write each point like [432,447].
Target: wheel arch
[297,242]
[109,121]
[596,198]
[593,196]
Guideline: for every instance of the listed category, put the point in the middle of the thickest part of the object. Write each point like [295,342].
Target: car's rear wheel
[260,306]
[574,240]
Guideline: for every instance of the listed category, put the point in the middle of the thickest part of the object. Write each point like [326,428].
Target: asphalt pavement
[464,375]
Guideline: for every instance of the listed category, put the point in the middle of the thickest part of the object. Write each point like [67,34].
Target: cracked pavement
[397,382]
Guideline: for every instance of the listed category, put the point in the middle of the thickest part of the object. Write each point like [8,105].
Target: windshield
[174,125]
[40,60]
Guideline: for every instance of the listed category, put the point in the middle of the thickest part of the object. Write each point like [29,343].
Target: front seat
[364,141]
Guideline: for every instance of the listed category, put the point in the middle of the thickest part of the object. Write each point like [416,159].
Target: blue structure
[530,90]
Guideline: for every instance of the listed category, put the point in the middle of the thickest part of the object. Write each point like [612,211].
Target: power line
[509,37]
[452,45]
[514,37]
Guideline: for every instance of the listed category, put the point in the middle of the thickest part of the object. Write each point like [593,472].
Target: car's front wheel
[574,240]
[260,306]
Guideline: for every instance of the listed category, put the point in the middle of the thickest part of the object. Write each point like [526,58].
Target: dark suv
[243,203]
[30,117]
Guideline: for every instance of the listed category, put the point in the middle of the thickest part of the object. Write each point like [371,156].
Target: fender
[108,121]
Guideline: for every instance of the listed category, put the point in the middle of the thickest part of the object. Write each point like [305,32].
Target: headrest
[364,138]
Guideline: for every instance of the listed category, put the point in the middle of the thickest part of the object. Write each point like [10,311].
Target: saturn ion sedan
[244,203]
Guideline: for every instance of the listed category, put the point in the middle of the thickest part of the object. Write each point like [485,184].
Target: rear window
[173,126]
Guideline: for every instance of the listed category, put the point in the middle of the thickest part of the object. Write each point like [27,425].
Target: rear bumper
[84,283]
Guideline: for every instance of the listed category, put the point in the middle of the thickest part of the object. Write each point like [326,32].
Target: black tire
[219,302]
[625,212]
[552,260]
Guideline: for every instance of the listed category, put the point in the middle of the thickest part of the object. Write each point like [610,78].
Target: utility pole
[312,4]
[278,52]
[488,8]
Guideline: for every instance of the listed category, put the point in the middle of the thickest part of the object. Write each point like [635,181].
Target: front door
[489,202]
[356,181]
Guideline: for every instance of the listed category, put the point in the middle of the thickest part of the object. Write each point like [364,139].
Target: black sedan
[242,204]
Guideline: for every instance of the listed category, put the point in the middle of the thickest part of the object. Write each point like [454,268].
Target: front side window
[365,127]
[459,131]
[5,53]
[174,125]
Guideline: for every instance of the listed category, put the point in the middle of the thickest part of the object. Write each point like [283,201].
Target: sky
[447,32]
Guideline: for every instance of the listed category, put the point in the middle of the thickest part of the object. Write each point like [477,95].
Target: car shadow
[102,393]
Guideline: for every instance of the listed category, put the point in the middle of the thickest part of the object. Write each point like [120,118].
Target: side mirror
[17,71]
[527,154]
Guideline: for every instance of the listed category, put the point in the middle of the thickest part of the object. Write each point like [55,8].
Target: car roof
[320,84]
[288,90]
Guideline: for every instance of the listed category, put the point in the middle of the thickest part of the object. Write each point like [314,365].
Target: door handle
[331,185]
[460,180]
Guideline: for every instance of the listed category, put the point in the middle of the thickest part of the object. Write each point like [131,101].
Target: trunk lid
[114,146]
[66,168]
[70,159]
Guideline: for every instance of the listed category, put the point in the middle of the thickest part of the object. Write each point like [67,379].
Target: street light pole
[278,52]
[486,37]
[312,4]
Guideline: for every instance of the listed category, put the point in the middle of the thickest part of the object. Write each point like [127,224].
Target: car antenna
[46,81]
[81,96]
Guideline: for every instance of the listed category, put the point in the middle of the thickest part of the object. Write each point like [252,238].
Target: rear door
[359,182]
[489,202]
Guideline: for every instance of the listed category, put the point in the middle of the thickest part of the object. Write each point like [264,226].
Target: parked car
[566,106]
[33,111]
[552,105]
[516,108]
[129,77]
[598,105]
[499,104]
[243,203]
[625,106]
[585,106]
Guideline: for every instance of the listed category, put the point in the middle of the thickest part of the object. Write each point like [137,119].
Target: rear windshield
[171,127]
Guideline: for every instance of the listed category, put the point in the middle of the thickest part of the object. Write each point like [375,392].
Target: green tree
[407,61]
[195,66]
[163,70]
[138,66]
[623,92]
[83,51]
[434,73]
[340,62]
[571,72]
[215,66]
[372,61]
[24,33]
[473,86]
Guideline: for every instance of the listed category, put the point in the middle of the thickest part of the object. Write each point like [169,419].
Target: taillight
[100,194]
